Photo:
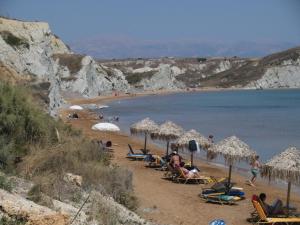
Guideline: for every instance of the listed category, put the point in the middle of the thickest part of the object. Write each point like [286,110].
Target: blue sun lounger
[135,156]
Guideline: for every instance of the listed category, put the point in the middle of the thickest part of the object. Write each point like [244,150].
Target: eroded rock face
[286,75]
[15,205]
[165,79]
[32,50]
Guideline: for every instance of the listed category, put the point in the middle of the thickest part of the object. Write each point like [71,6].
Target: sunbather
[275,209]
[175,160]
[155,160]
[189,173]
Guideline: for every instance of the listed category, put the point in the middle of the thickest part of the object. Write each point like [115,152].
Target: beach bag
[193,146]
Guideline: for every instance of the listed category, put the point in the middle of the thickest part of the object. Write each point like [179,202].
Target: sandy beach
[163,201]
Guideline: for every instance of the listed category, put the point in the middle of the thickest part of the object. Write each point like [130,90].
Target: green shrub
[201,60]
[134,78]
[22,124]
[12,221]
[35,194]
[13,40]
[5,184]
[29,134]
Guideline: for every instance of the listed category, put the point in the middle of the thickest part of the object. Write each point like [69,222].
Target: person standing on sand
[255,166]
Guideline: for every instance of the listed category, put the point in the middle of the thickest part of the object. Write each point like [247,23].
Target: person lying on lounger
[275,209]
[175,160]
[189,173]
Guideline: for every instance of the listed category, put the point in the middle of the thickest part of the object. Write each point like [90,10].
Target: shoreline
[239,170]
[155,209]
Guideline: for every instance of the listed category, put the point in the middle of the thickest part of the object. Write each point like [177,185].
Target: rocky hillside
[280,70]
[31,49]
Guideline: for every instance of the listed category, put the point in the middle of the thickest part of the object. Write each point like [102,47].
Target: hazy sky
[214,21]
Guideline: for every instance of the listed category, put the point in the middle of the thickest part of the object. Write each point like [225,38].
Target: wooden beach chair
[263,219]
[198,179]
[170,173]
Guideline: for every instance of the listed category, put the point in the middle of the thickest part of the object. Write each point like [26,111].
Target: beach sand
[162,201]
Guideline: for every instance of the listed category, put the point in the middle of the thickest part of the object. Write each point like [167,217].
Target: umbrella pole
[167,148]
[192,158]
[288,197]
[145,144]
[229,179]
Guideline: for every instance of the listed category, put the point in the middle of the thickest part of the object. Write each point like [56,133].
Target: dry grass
[72,61]
[78,156]
[134,78]
[31,147]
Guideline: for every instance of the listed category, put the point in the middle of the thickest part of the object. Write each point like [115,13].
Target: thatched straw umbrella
[145,126]
[285,166]
[167,131]
[233,150]
[183,141]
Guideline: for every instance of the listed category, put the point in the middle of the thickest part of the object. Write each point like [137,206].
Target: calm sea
[267,120]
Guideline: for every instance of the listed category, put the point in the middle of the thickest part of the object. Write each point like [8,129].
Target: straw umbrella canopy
[167,131]
[284,166]
[145,126]
[233,150]
[184,140]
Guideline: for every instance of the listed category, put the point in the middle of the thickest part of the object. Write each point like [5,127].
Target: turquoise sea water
[267,120]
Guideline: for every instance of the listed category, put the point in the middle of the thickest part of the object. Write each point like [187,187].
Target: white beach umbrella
[102,106]
[105,127]
[76,107]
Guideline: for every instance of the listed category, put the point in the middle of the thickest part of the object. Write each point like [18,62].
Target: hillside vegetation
[35,146]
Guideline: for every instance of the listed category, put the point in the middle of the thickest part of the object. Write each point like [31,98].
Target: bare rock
[73,179]
[15,205]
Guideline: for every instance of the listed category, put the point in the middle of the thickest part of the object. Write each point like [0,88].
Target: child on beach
[255,165]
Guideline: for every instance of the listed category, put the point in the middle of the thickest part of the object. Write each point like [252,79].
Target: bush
[201,60]
[5,184]
[22,124]
[134,78]
[29,135]
[35,193]
[13,40]
[72,61]
[12,221]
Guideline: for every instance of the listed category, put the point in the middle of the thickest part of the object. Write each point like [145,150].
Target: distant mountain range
[123,47]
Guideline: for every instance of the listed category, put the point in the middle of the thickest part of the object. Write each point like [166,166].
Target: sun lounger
[170,173]
[197,178]
[232,192]
[135,156]
[263,219]
[145,152]
[221,198]
[217,194]
[155,161]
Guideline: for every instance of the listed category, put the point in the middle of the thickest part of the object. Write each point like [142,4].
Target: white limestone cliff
[29,47]
[286,75]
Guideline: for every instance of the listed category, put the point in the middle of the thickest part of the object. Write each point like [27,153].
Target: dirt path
[165,202]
